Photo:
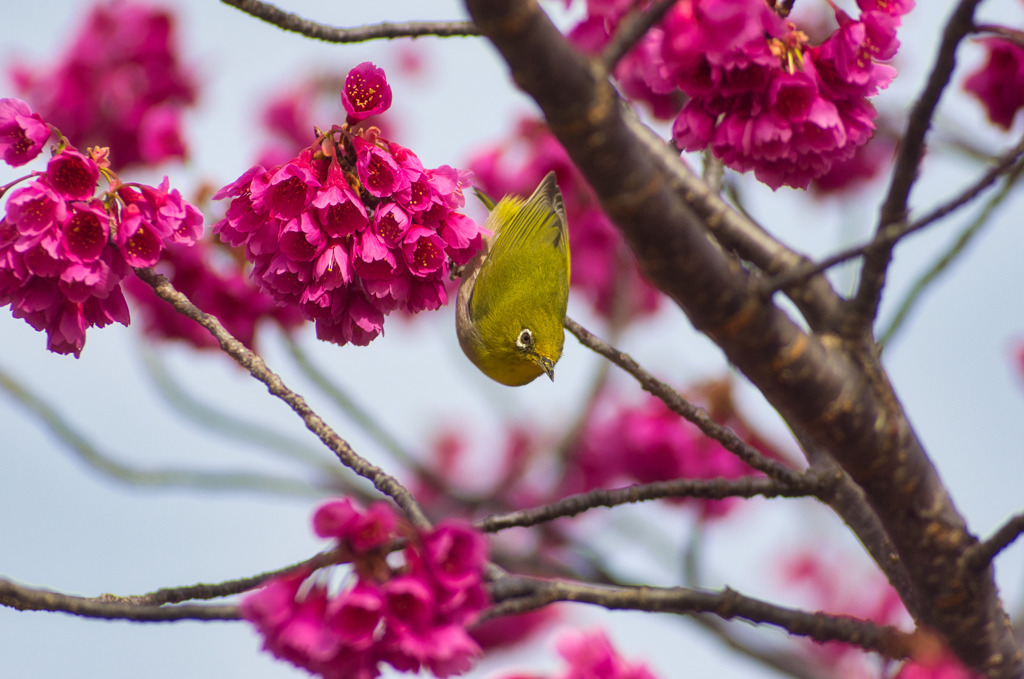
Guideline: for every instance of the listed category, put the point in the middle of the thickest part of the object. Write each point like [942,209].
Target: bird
[511,304]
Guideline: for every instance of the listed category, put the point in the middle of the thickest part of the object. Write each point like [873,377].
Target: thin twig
[981,555]
[102,462]
[630,31]
[237,428]
[175,595]
[956,248]
[517,594]
[706,489]
[360,415]
[296,24]
[904,174]
[258,369]
[677,404]
[1005,164]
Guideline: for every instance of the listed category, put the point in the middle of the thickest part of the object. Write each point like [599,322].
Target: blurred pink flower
[999,83]
[590,655]
[118,85]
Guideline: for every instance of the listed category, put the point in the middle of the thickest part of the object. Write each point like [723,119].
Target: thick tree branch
[741,235]
[520,594]
[311,29]
[258,369]
[833,390]
[31,599]
[894,210]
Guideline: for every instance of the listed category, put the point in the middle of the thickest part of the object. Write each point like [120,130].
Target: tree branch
[864,306]
[519,594]
[1008,163]
[258,369]
[31,599]
[237,428]
[738,232]
[834,390]
[982,554]
[706,489]
[677,404]
[942,262]
[296,24]
[102,462]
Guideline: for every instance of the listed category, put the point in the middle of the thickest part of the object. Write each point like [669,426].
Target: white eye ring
[525,339]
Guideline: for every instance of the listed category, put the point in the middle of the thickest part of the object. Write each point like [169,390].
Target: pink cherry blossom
[64,252]
[760,96]
[401,614]
[366,92]
[353,227]
[22,132]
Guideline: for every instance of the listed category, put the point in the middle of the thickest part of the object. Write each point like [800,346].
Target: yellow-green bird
[511,304]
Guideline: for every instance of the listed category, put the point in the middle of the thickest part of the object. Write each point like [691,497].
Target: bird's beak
[548,366]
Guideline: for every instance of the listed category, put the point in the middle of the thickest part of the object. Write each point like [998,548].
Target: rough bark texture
[833,391]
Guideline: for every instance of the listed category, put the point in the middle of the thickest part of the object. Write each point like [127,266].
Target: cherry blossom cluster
[64,250]
[590,655]
[354,226]
[760,97]
[215,283]
[411,617]
[119,85]
[646,442]
[999,82]
[602,267]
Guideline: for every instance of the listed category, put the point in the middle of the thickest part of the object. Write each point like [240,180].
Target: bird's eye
[525,339]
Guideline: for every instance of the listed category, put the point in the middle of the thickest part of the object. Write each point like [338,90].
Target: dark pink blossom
[760,97]
[350,230]
[339,211]
[36,208]
[73,175]
[64,252]
[378,170]
[366,92]
[401,615]
[22,132]
[86,232]
[457,553]
[356,614]
[999,83]
[373,528]
[424,252]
